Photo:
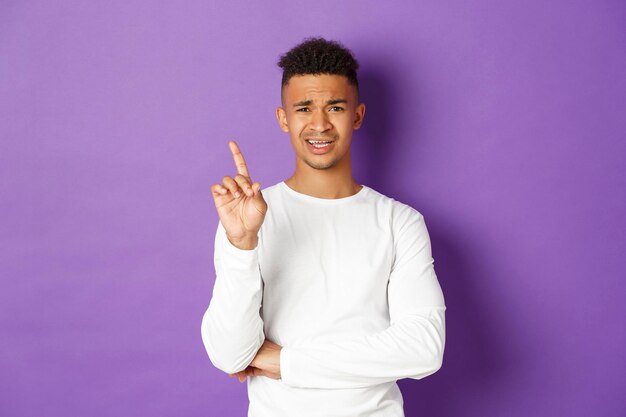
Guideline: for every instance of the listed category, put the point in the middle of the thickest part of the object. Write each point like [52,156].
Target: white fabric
[347,286]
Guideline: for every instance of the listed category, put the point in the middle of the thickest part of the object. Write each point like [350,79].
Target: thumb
[256,187]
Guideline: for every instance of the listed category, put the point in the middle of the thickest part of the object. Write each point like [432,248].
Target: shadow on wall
[370,144]
[474,358]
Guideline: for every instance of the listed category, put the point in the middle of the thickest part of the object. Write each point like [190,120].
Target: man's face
[318,109]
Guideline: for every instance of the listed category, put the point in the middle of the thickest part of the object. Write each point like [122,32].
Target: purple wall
[502,122]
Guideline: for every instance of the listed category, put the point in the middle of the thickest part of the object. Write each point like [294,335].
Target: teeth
[319,143]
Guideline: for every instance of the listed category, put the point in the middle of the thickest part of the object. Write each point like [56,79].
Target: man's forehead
[315,88]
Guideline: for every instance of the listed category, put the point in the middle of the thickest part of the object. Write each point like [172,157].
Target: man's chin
[324,166]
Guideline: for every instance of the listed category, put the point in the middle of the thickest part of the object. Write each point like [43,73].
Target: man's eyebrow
[303,103]
[329,102]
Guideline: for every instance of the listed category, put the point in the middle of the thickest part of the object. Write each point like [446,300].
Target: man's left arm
[411,347]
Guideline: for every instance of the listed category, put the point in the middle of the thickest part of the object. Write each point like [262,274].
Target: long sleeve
[232,329]
[411,347]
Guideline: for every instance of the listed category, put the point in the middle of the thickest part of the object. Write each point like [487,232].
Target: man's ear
[359,115]
[281,116]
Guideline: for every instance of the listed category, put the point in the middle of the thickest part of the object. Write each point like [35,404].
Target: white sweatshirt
[347,287]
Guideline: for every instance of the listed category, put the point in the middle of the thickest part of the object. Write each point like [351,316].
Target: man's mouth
[319,144]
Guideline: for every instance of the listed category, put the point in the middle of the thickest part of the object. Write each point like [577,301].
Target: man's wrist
[248,242]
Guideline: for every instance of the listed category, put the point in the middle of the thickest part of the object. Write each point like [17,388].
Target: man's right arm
[232,328]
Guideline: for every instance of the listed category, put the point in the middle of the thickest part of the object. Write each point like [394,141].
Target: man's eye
[336,108]
[303,109]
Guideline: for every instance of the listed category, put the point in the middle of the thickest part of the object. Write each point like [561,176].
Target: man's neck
[328,183]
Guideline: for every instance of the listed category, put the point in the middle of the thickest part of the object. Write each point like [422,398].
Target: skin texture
[319,107]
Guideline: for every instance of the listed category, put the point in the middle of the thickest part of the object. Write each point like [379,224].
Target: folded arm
[411,347]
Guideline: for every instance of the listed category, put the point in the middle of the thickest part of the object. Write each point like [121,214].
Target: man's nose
[319,121]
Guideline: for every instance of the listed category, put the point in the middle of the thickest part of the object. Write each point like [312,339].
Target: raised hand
[239,204]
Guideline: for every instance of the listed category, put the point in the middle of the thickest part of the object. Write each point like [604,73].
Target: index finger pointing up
[240,163]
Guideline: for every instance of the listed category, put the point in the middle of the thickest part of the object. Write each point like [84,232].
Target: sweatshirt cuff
[285,366]
[295,369]
[235,256]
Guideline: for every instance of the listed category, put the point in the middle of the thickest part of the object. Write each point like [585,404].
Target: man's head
[320,102]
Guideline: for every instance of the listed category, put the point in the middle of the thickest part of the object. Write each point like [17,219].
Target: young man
[326,292]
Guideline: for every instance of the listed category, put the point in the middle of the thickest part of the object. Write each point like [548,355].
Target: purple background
[502,122]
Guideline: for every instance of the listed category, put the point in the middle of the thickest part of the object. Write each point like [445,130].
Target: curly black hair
[319,56]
